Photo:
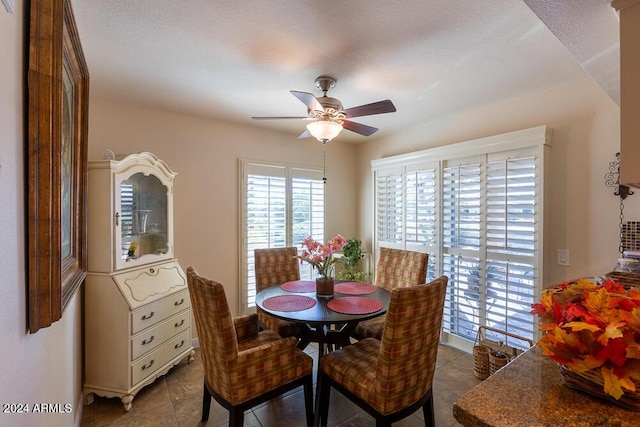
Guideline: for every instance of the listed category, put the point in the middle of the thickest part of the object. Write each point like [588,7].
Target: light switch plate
[8,4]
[563,257]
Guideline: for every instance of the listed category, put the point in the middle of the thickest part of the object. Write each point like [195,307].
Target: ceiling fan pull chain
[324,163]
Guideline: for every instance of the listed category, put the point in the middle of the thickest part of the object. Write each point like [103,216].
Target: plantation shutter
[266,220]
[461,244]
[476,208]
[389,207]
[511,232]
[308,213]
[281,206]
[421,215]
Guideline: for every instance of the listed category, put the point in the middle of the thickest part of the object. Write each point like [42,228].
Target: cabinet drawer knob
[177,346]
[179,302]
[147,366]
[152,270]
[148,316]
[149,341]
[180,323]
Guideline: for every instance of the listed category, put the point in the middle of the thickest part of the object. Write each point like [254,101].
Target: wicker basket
[497,360]
[485,360]
[628,280]
[481,361]
[591,382]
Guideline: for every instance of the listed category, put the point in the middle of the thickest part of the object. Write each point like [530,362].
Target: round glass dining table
[320,323]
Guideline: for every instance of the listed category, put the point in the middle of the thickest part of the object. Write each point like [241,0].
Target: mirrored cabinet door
[130,205]
[143,217]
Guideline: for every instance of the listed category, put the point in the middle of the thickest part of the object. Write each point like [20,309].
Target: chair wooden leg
[427,411]
[308,399]
[322,409]
[206,402]
[236,417]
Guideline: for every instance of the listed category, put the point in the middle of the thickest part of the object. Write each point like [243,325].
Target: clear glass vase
[324,286]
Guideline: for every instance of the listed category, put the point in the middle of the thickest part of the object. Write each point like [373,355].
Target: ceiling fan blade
[359,128]
[379,107]
[305,134]
[284,117]
[308,99]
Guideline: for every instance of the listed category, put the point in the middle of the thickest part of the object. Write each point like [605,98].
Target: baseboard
[79,409]
[195,343]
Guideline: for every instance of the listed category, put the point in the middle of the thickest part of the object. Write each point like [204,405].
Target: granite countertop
[529,392]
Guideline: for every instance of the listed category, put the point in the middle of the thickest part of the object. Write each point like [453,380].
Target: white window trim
[536,136]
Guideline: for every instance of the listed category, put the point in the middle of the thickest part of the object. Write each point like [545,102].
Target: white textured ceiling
[236,59]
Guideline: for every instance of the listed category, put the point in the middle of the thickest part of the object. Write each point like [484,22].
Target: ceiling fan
[329,117]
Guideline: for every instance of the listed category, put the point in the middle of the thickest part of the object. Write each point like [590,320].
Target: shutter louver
[389,207]
[266,220]
[420,217]
[461,315]
[308,215]
[461,207]
[511,205]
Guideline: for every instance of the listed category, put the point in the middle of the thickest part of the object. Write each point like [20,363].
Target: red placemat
[354,288]
[299,286]
[289,303]
[354,305]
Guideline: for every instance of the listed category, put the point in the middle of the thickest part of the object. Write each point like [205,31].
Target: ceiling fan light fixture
[324,130]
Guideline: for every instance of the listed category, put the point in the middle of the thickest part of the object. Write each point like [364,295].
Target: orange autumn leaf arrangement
[593,326]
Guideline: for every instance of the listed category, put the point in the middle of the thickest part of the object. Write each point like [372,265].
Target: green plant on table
[351,256]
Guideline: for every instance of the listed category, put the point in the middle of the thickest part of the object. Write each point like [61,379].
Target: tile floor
[176,400]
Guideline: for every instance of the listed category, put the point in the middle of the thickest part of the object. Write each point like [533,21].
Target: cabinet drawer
[158,311]
[148,364]
[151,338]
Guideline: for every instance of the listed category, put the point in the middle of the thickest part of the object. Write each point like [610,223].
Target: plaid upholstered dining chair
[273,266]
[395,268]
[242,366]
[391,378]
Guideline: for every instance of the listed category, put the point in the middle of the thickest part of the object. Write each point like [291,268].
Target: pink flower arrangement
[320,256]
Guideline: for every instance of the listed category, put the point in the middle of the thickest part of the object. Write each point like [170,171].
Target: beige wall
[582,213]
[205,153]
[44,367]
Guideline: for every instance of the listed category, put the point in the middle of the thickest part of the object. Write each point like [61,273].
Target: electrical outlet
[563,257]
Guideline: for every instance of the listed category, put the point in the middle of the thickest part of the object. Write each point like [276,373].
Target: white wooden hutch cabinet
[137,307]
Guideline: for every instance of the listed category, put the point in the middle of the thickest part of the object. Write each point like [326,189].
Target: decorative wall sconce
[612,179]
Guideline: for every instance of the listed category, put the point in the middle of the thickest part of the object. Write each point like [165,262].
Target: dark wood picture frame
[58,94]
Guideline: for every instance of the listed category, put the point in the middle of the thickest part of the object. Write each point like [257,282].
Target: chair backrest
[275,265]
[216,330]
[399,268]
[409,347]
